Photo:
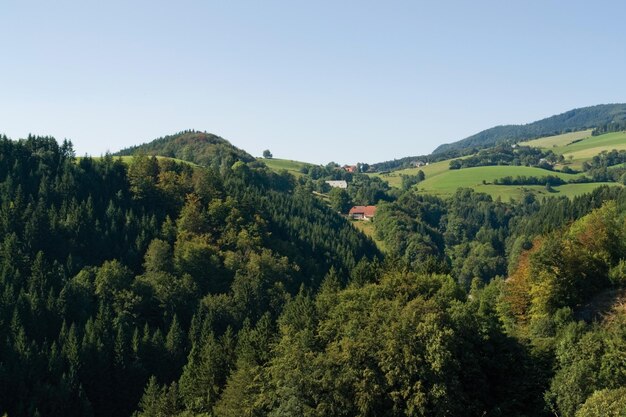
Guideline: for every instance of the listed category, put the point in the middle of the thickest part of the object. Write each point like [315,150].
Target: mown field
[579,147]
[442,181]
[559,140]
[284,164]
[482,178]
[515,192]
[394,178]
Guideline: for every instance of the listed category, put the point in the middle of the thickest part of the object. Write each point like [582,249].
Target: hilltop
[573,120]
[201,148]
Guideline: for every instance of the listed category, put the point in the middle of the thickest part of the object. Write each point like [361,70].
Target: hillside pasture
[591,147]
[446,184]
[516,192]
[470,177]
[284,164]
[564,139]
[394,178]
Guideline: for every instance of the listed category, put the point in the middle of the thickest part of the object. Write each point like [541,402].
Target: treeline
[615,126]
[509,155]
[403,163]
[607,166]
[470,234]
[548,180]
[530,180]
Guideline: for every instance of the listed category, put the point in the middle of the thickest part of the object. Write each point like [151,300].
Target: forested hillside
[199,147]
[113,273]
[577,119]
[162,288]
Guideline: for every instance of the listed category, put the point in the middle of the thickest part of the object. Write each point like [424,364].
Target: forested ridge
[193,146]
[572,120]
[162,288]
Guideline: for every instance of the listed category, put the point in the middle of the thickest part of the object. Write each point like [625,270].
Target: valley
[204,282]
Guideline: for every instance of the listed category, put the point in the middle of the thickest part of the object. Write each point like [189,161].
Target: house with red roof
[362,212]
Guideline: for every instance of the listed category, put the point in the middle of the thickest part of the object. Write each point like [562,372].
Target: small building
[350,168]
[362,212]
[337,184]
[418,164]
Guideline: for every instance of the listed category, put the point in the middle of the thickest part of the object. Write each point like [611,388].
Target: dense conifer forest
[160,287]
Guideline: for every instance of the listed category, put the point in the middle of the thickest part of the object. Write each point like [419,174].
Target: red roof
[367,211]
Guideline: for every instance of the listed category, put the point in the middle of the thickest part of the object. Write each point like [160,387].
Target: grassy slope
[583,150]
[284,164]
[447,182]
[508,192]
[369,229]
[592,146]
[442,181]
[558,140]
[571,120]
[394,178]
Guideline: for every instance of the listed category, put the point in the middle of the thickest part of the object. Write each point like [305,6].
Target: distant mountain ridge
[572,120]
[201,148]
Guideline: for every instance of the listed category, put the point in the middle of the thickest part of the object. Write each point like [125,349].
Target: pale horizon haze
[343,81]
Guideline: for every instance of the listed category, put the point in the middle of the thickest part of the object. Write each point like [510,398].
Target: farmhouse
[350,168]
[362,212]
[337,184]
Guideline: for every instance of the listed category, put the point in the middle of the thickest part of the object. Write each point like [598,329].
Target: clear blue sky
[346,81]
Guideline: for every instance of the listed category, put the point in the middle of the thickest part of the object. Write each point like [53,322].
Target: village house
[337,184]
[362,212]
[350,168]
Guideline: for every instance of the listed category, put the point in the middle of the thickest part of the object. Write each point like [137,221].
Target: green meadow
[564,139]
[442,181]
[576,147]
[579,147]
[284,164]
[509,192]
[481,179]
[394,178]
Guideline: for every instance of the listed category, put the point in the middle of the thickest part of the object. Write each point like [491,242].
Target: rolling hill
[193,146]
[573,120]
[446,183]
[576,147]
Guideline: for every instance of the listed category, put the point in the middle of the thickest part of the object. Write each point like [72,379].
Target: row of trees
[509,155]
